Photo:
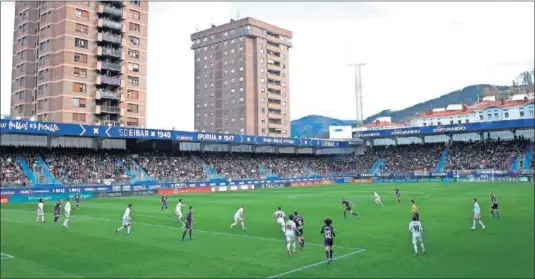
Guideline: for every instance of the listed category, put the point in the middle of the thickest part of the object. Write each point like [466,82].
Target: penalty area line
[315,264]
[6,256]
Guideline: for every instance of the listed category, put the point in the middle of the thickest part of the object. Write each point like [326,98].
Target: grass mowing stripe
[315,264]
[202,231]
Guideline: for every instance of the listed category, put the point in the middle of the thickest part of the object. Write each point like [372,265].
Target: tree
[526,78]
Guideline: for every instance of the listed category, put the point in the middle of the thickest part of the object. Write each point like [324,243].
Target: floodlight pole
[358,91]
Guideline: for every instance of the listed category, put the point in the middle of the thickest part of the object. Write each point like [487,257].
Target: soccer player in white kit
[126,220]
[238,218]
[415,227]
[377,199]
[40,212]
[290,232]
[477,216]
[178,211]
[67,213]
[279,216]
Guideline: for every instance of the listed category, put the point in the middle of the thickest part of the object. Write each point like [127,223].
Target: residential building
[82,62]
[242,79]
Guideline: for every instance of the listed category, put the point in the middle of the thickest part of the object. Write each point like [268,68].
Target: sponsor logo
[7,193]
[4,200]
[405,132]
[449,129]
[144,193]
[183,190]
[109,195]
[140,188]
[74,190]
[41,191]
[58,190]
[127,188]
[366,135]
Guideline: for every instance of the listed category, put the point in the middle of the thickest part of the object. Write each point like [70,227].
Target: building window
[133,67]
[82,14]
[78,103]
[41,75]
[82,28]
[42,60]
[85,3]
[81,43]
[135,14]
[506,115]
[132,108]
[134,40]
[135,2]
[78,117]
[496,115]
[133,80]
[521,113]
[132,94]
[42,45]
[22,81]
[79,87]
[82,58]
[481,117]
[133,27]
[79,72]
[133,53]
[131,121]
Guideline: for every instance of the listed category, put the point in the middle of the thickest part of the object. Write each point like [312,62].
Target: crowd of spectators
[77,166]
[74,166]
[11,174]
[489,154]
[402,158]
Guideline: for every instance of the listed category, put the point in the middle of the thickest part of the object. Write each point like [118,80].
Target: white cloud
[413,51]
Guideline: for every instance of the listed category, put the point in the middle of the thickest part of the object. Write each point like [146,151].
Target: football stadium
[90,191]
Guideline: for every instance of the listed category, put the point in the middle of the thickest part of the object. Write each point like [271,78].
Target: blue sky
[413,52]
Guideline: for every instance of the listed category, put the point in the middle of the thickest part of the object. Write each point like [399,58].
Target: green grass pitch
[90,247]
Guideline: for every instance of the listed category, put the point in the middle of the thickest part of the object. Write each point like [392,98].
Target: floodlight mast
[358,92]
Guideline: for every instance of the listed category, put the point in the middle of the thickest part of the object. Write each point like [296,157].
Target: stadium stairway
[141,171]
[442,161]
[375,166]
[516,163]
[26,169]
[529,157]
[126,170]
[46,170]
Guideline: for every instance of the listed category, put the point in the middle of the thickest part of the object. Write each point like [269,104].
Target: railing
[110,95]
[111,52]
[110,109]
[111,80]
[112,24]
[112,38]
[112,10]
[111,66]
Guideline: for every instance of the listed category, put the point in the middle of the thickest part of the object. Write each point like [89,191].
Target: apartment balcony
[104,51]
[115,123]
[102,22]
[273,48]
[107,94]
[274,86]
[274,106]
[110,80]
[274,76]
[111,10]
[274,131]
[273,58]
[274,115]
[110,66]
[273,67]
[107,109]
[110,38]
[275,125]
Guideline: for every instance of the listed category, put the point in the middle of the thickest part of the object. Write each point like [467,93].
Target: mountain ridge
[317,126]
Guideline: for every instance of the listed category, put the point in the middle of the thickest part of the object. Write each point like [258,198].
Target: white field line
[6,256]
[315,264]
[202,231]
